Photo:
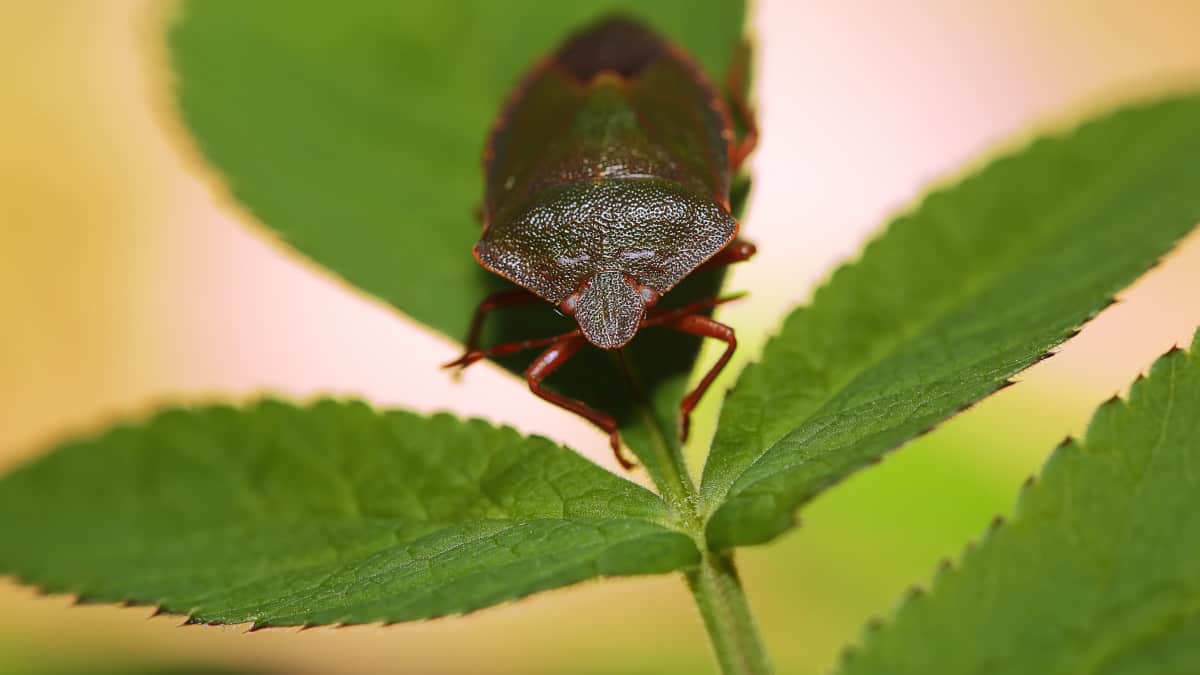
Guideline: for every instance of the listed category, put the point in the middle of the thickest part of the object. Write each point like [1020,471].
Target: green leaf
[1098,571]
[356,131]
[975,285]
[328,514]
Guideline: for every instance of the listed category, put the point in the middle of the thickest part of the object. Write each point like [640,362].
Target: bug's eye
[649,295]
[568,306]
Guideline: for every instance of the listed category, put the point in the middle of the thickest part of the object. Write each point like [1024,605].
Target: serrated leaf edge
[160,408]
[948,568]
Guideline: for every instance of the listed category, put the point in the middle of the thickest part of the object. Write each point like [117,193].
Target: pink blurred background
[124,282]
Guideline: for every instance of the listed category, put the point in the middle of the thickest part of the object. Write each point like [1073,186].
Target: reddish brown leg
[698,324]
[497,300]
[737,251]
[735,83]
[505,349]
[559,353]
[659,316]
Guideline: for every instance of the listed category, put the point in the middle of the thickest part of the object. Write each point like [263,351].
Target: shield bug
[607,180]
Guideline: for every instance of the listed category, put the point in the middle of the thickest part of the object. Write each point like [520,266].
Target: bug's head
[609,307]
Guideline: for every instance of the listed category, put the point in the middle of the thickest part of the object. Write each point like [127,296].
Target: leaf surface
[1096,573]
[329,514]
[976,284]
[355,132]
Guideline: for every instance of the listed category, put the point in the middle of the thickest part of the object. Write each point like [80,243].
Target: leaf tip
[1005,385]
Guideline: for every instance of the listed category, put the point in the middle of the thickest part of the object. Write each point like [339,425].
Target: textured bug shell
[611,157]
[650,229]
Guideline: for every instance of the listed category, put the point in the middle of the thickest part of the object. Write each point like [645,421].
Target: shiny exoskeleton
[607,182]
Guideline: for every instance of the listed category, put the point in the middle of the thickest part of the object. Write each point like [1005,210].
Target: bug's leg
[735,85]
[559,352]
[737,251]
[505,349]
[661,316]
[698,324]
[497,300]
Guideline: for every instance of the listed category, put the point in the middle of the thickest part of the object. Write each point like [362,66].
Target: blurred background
[125,282]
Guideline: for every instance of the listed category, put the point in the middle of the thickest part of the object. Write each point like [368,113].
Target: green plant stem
[670,473]
[731,626]
[714,583]
[664,461]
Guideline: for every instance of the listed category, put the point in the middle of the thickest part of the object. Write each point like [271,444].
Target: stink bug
[607,180]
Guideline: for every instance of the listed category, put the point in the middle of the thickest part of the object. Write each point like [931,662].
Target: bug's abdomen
[614,102]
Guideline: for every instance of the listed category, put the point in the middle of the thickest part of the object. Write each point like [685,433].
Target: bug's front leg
[551,360]
[698,324]
[504,350]
[498,300]
[737,251]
